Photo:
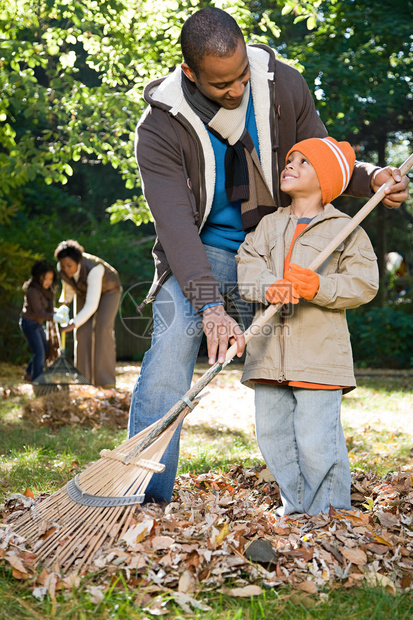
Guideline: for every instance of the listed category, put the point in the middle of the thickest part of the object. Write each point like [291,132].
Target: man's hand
[220,329]
[398,193]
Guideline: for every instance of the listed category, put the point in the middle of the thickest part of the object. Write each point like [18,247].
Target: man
[210,147]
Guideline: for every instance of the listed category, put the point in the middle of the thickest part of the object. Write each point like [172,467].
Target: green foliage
[359,68]
[136,211]
[382,338]
[71,91]
[49,216]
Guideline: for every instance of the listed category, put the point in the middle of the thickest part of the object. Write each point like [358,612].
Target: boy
[301,362]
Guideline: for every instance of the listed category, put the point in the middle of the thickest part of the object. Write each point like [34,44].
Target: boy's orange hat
[333,162]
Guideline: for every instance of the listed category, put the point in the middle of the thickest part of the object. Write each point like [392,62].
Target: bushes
[382,337]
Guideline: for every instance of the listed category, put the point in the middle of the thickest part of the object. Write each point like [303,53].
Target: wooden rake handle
[173,413]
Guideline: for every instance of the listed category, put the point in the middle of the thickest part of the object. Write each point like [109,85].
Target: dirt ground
[227,403]
[234,407]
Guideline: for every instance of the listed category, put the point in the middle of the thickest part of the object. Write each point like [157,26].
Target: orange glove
[282,292]
[306,281]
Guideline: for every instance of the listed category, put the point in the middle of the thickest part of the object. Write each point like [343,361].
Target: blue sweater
[223,228]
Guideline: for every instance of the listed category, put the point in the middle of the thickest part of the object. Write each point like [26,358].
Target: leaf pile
[86,406]
[203,540]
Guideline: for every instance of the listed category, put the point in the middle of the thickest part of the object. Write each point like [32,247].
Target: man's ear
[188,72]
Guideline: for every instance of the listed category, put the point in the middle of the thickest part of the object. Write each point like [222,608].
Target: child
[301,362]
[38,307]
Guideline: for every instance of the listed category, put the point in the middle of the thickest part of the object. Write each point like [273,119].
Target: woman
[97,290]
[38,308]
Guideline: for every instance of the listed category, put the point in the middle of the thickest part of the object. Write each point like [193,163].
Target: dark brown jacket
[38,303]
[177,165]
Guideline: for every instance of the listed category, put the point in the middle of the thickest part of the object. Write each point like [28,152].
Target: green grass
[124,602]
[44,459]
[205,448]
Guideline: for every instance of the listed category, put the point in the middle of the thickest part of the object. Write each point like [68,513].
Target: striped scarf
[244,178]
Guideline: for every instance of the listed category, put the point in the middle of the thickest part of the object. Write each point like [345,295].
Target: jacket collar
[328,213]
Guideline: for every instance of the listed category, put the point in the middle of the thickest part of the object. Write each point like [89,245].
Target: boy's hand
[305,281]
[282,292]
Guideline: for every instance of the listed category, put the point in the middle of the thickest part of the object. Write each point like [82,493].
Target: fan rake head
[58,377]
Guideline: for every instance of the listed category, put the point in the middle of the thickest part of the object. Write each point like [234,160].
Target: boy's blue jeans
[36,337]
[300,435]
[168,366]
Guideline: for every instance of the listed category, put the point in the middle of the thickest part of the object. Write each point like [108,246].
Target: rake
[60,375]
[97,506]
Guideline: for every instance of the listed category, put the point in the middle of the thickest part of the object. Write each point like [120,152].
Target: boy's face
[299,179]
[222,80]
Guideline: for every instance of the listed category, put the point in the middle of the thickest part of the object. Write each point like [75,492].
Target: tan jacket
[311,343]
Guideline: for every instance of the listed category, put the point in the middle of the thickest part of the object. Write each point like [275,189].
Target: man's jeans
[36,338]
[168,366]
[302,441]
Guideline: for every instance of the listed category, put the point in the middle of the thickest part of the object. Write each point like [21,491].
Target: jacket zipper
[282,376]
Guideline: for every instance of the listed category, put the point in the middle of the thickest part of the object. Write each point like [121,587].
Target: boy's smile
[299,178]
[300,181]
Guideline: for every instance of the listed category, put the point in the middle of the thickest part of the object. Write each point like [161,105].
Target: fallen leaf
[388,520]
[382,540]
[355,556]
[354,516]
[376,548]
[16,562]
[188,603]
[307,586]
[369,503]
[39,593]
[162,542]
[138,532]
[245,592]
[186,582]
[375,579]
[265,476]
[96,594]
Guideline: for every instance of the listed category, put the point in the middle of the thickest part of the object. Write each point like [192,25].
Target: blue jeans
[36,337]
[168,366]
[300,436]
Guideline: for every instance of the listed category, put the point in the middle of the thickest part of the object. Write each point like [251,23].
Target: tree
[71,81]
[357,58]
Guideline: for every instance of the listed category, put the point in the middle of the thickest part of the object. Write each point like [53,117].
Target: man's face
[222,80]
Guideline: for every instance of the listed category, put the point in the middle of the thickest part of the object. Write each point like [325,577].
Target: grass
[126,603]
[43,460]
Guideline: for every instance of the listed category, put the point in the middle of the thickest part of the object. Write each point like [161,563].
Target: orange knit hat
[333,162]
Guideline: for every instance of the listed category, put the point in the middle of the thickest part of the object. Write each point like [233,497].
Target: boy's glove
[282,292]
[305,281]
[61,315]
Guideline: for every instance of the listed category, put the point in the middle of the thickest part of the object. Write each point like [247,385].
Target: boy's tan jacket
[309,341]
